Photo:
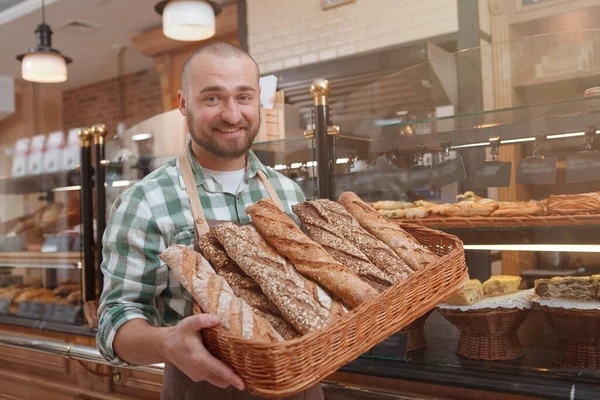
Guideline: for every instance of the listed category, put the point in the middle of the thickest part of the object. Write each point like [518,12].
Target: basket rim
[484,311]
[352,314]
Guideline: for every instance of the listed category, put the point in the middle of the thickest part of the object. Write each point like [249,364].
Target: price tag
[536,170]
[490,174]
[63,313]
[30,309]
[448,172]
[4,304]
[395,346]
[583,167]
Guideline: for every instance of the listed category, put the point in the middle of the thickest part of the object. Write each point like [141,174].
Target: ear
[182,102]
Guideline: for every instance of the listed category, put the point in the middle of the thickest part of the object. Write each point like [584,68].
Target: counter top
[531,375]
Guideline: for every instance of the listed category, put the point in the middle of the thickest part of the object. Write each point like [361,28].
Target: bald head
[219,49]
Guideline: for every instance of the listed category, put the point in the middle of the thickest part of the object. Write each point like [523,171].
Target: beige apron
[176,385]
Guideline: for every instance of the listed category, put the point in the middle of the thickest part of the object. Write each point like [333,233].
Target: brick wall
[287,33]
[99,102]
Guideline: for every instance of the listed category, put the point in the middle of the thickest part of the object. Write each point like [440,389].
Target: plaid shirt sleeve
[133,273]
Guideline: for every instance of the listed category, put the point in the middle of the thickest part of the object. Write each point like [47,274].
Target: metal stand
[99,133]
[324,133]
[87,212]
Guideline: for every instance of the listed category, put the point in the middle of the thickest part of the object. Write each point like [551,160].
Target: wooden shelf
[27,259]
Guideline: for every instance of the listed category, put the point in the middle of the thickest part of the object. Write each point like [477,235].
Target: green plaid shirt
[153,215]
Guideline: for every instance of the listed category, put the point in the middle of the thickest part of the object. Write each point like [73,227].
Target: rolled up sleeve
[134,275]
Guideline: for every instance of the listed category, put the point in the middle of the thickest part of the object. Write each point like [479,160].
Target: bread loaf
[409,250]
[469,294]
[568,287]
[299,309]
[334,307]
[378,253]
[306,255]
[318,221]
[566,204]
[243,286]
[215,296]
[500,285]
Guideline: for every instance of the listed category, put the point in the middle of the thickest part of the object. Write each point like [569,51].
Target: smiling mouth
[228,131]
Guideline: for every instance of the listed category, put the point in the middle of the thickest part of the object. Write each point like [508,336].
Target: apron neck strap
[272,193]
[190,187]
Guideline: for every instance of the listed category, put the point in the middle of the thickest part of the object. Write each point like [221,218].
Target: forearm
[138,342]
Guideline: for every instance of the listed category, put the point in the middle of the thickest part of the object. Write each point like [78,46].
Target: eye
[211,99]
[245,97]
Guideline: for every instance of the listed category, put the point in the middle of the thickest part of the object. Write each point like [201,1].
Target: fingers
[217,381]
[202,321]
[217,368]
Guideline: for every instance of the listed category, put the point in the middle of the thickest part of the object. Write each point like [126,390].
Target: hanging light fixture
[188,20]
[43,63]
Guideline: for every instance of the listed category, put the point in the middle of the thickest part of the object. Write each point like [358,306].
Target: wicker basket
[281,369]
[488,334]
[416,333]
[578,334]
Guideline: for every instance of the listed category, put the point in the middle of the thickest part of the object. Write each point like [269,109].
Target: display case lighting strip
[66,188]
[521,140]
[575,248]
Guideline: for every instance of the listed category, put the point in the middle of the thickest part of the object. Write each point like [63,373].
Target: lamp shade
[188,20]
[44,67]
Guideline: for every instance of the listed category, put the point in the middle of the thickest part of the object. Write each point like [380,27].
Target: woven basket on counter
[578,334]
[281,369]
[416,333]
[488,334]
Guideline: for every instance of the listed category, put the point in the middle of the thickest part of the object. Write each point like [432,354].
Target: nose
[231,112]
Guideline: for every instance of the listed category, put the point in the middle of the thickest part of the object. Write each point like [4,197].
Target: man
[145,316]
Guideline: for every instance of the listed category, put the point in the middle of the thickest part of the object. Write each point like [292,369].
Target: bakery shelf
[508,222]
[58,260]
[38,183]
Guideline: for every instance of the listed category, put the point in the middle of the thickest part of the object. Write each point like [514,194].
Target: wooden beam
[153,42]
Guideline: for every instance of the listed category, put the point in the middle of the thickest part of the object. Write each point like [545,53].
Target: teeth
[228,130]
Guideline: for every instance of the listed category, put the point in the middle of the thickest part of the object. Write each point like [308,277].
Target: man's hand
[184,349]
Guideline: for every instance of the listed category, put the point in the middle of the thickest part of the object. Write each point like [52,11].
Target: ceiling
[113,23]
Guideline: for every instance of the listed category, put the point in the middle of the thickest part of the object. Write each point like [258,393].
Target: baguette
[306,255]
[333,306]
[215,296]
[300,309]
[243,286]
[380,254]
[409,250]
[318,222]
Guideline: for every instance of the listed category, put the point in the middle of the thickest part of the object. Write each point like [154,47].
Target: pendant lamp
[43,63]
[188,20]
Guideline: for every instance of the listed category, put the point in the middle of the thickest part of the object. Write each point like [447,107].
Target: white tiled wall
[288,33]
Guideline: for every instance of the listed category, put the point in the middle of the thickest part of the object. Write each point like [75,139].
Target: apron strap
[190,187]
[272,193]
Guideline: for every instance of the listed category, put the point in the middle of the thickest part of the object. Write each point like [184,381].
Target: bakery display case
[505,159]
[40,237]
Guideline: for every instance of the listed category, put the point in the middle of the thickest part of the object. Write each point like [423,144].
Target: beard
[209,140]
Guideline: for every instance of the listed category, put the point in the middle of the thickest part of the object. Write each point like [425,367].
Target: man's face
[222,104]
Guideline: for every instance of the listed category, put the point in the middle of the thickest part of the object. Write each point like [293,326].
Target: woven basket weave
[278,370]
[416,333]
[578,334]
[488,334]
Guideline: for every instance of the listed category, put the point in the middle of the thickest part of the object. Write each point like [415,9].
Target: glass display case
[40,242]
[497,145]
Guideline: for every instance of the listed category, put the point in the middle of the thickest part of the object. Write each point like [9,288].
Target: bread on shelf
[469,294]
[568,287]
[574,203]
[500,285]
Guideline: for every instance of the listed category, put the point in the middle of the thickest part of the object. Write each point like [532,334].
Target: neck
[216,163]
